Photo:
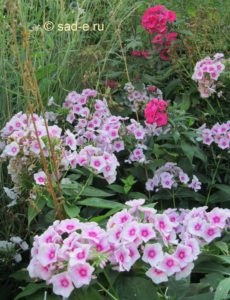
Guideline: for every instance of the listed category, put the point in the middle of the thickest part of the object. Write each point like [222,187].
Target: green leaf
[101,203]
[223,289]
[219,196]
[188,150]
[224,188]
[209,266]
[178,289]
[85,294]
[30,289]
[35,207]
[128,183]
[213,279]
[222,246]
[137,195]
[71,210]
[135,288]
[21,275]
[116,188]
[91,191]
[172,86]
[105,216]
[203,296]
[71,189]
[200,154]
[187,193]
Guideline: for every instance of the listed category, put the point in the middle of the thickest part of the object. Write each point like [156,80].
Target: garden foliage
[118,188]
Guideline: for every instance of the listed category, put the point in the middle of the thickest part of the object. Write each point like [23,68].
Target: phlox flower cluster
[23,143]
[141,134]
[95,134]
[155,20]
[101,162]
[168,177]
[138,99]
[99,135]
[12,249]
[218,134]
[137,155]
[207,72]
[92,137]
[67,254]
[155,112]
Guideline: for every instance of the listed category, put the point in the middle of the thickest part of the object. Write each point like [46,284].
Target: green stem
[105,290]
[210,106]
[110,284]
[213,180]
[174,201]
[220,107]
[85,185]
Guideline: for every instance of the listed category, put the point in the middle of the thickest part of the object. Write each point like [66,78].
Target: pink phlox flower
[79,255]
[93,232]
[133,253]
[149,213]
[185,271]
[50,236]
[194,245]
[157,275]
[195,184]
[118,145]
[68,225]
[217,217]
[210,232]
[163,224]
[70,140]
[196,226]
[167,180]
[102,245]
[81,274]
[130,231]
[62,284]
[153,254]
[48,253]
[146,232]
[11,149]
[119,218]
[40,178]
[183,254]
[35,146]
[55,131]
[183,177]
[36,270]
[97,163]
[122,257]
[224,143]
[89,93]
[169,265]
[170,238]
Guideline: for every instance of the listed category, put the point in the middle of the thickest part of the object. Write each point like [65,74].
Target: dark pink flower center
[64,282]
[170,263]
[152,253]
[83,272]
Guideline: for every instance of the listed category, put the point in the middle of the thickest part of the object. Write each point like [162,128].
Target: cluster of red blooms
[155,112]
[155,21]
[139,53]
